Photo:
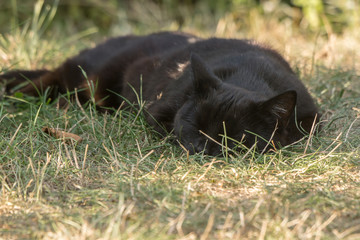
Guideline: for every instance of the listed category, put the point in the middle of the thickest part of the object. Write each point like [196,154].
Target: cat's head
[217,109]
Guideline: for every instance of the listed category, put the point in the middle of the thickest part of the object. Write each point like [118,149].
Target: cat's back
[239,62]
[252,66]
[234,51]
[224,57]
[129,47]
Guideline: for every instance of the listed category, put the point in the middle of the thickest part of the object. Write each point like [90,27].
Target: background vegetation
[123,182]
[119,15]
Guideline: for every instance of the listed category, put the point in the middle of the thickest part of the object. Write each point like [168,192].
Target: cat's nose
[193,148]
[199,148]
[207,148]
[212,149]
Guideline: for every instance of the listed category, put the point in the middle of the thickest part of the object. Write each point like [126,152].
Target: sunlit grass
[123,181]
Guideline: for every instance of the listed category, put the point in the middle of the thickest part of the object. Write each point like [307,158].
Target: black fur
[202,90]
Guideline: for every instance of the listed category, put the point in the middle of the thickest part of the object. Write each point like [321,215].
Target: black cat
[201,89]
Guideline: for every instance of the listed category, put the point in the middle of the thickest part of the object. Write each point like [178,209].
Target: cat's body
[200,89]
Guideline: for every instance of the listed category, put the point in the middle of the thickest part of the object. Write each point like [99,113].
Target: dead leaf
[60,134]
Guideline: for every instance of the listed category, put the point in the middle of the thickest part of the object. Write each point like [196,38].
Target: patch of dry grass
[122,182]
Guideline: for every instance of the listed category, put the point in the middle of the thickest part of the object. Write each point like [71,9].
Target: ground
[124,182]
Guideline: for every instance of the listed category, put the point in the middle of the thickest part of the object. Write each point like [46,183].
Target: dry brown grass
[122,182]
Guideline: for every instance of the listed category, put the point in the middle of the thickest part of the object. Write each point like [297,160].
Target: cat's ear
[204,78]
[281,106]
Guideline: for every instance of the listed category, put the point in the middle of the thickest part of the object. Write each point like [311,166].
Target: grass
[123,182]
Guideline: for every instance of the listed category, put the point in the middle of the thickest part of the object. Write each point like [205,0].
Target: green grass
[123,182]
